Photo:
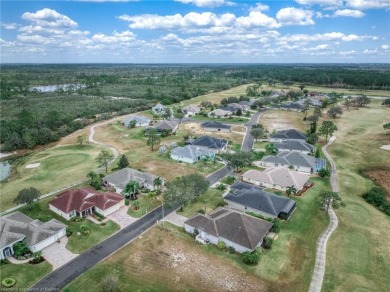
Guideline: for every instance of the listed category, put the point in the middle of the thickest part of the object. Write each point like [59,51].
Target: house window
[246,207]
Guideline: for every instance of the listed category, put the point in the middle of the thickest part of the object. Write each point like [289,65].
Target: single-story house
[278,178]
[237,106]
[245,103]
[215,127]
[292,106]
[237,230]
[140,121]
[191,110]
[158,109]
[246,197]
[83,202]
[207,142]
[293,160]
[191,154]
[121,178]
[290,134]
[315,102]
[37,235]
[218,113]
[295,145]
[166,125]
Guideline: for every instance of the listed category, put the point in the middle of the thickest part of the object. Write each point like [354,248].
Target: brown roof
[82,199]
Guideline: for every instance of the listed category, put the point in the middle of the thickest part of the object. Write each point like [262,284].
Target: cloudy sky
[195,31]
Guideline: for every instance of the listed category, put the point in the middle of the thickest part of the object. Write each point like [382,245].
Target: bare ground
[282,120]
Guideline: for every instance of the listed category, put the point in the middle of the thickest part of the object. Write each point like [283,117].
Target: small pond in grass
[5,170]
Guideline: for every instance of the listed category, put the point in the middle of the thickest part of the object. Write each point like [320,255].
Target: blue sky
[195,31]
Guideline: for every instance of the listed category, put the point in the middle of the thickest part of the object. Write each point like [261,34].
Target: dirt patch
[161,256]
[194,129]
[381,177]
[281,120]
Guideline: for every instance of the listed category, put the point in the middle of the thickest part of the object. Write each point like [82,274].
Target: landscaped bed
[146,204]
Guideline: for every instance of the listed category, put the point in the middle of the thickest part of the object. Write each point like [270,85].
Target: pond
[52,88]
[5,170]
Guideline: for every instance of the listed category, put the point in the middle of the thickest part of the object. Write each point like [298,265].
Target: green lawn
[260,145]
[146,205]
[60,166]
[207,202]
[359,251]
[25,275]
[76,243]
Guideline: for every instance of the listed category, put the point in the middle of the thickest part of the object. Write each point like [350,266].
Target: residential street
[248,141]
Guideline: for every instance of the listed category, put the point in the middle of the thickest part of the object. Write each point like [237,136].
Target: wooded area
[91,92]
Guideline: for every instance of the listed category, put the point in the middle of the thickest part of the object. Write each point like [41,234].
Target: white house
[37,235]
[295,145]
[218,113]
[191,154]
[83,202]
[140,121]
[120,178]
[191,110]
[158,109]
[237,230]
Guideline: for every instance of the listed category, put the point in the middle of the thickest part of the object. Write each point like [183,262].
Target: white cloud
[260,7]
[206,3]
[348,53]
[332,36]
[49,18]
[370,52]
[9,25]
[385,47]
[257,19]
[368,4]
[349,13]
[321,2]
[294,16]
[125,36]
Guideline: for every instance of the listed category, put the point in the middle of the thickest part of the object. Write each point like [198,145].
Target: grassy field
[359,251]
[169,260]
[25,275]
[60,166]
[133,143]
[76,244]
[282,120]
[146,205]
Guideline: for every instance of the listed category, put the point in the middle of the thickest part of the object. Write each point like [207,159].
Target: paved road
[319,266]
[248,141]
[219,174]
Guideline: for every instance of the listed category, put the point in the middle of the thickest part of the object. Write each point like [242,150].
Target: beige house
[218,113]
[277,178]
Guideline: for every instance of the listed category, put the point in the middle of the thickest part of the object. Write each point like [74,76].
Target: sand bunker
[33,165]
[386,147]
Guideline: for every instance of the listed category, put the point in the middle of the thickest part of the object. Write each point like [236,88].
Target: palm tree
[136,204]
[157,182]
[131,189]
[291,190]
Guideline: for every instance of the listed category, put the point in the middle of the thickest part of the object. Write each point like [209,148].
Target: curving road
[319,266]
[248,141]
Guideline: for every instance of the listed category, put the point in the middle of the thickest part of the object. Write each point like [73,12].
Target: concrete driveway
[57,254]
[121,218]
[175,219]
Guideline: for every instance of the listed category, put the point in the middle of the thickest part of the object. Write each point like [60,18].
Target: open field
[282,120]
[132,142]
[76,243]
[24,274]
[359,250]
[59,166]
[346,91]
[169,260]
[194,129]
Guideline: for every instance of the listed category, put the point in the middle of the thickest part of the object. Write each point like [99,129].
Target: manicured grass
[76,243]
[246,168]
[146,205]
[207,202]
[359,251]
[25,275]
[60,166]
[260,145]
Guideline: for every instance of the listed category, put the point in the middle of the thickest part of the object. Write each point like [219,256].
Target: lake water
[52,88]
[5,170]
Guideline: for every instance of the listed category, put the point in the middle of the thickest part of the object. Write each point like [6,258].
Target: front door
[7,252]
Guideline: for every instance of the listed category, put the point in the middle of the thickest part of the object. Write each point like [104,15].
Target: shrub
[231,249]
[267,243]
[276,227]
[221,187]
[127,202]
[4,262]
[99,215]
[230,180]
[255,214]
[221,244]
[250,258]
[323,172]
[377,197]
[221,203]
[279,193]
[8,282]
[201,211]
[69,231]
[100,219]
[21,249]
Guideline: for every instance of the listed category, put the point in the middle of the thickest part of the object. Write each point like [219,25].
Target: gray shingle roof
[121,177]
[166,125]
[291,145]
[293,105]
[239,228]
[289,134]
[294,158]
[17,226]
[217,125]
[191,152]
[210,142]
[138,119]
[255,198]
